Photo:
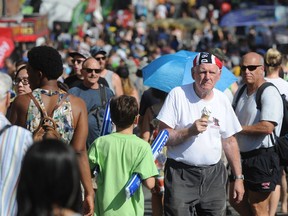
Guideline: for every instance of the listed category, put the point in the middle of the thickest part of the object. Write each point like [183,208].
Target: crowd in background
[130,38]
[144,30]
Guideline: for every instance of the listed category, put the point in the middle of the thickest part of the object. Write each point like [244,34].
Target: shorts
[261,172]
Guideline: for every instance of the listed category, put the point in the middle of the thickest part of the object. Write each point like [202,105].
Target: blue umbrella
[171,70]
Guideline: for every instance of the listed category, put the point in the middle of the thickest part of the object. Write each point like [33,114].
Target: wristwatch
[239,177]
[232,177]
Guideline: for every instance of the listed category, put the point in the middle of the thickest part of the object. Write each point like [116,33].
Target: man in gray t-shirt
[260,163]
[95,96]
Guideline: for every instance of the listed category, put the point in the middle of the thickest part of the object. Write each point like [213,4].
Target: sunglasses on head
[76,60]
[90,70]
[249,67]
[101,58]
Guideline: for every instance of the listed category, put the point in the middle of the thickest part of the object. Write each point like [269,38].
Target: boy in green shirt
[118,156]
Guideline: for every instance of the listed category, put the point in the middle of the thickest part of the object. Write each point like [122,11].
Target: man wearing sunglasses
[76,78]
[95,96]
[260,162]
[112,78]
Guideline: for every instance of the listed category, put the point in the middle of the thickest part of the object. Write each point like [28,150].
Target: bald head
[254,58]
[89,61]
[252,69]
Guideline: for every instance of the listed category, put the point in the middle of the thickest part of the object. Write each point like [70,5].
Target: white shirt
[281,84]
[180,110]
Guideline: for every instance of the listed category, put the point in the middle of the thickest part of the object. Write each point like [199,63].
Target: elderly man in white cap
[198,117]
[14,141]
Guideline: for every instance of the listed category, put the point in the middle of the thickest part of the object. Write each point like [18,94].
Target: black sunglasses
[249,67]
[101,58]
[76,60]
[90,70]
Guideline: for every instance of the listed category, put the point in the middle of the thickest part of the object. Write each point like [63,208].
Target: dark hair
[18,70]
[47,60]
[123,109]
[49,176]
[20,62]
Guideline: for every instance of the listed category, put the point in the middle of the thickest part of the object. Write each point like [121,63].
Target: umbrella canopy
[256,15]
[171,70]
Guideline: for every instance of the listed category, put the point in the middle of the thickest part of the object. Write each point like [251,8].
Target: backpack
[284,128]
[47,128]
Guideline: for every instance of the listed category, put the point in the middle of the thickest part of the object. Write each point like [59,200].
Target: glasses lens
[90,70]
[76,60]
[101,58]
[24,81]
[249,67]
[12,94]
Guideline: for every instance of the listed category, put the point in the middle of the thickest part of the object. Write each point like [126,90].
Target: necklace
[49,92]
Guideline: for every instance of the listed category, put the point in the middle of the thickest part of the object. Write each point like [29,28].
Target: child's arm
[149,183]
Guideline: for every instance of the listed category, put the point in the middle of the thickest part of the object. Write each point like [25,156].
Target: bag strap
[259,105]
[4,128]
[103,94]
[240,92]
[44,114]
[260,91]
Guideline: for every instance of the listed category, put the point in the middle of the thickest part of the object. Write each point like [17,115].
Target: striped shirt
[14,143]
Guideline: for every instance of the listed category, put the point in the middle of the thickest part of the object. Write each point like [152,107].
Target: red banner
[6,48]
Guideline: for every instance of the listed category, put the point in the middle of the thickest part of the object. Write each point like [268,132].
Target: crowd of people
[72,79]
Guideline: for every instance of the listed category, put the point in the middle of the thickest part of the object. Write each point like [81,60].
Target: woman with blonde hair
[273,66]
[128,88]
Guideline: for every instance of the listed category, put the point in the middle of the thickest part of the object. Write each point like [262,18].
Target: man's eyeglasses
[24,81]
[90,70]
[101,58]
[12,94]
[76,60]
[249,67]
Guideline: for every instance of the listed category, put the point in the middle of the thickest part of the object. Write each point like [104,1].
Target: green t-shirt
[119,156]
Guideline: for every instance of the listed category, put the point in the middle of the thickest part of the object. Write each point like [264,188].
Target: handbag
[281,148]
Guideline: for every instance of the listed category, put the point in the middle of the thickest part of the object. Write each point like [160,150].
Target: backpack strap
[37,104]
[40,108]
[4,128]
[103,99]
[240,92]
[260,91]
[259,105]
[103,94]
